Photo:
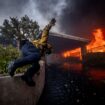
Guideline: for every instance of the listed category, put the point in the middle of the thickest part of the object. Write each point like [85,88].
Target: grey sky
[77,17]
[38,10]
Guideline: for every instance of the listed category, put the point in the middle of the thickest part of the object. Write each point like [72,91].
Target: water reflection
[94,73]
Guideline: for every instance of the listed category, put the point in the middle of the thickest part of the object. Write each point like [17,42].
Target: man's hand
[52,22]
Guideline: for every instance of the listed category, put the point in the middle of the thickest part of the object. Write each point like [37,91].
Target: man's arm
[45,33]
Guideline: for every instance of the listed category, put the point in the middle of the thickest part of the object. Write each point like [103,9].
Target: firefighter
[32,53]
[42,42]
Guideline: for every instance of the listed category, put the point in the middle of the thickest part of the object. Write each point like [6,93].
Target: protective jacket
[44,37]
[28,49]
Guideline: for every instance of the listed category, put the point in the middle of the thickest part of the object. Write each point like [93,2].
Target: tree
[19,29]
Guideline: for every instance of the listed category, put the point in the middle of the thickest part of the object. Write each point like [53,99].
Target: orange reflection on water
[94,73]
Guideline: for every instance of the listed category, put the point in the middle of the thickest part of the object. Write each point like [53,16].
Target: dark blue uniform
[30,55]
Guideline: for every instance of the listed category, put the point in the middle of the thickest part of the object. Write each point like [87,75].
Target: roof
[62,42]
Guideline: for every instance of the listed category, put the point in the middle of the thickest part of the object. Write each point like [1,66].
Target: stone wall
[14,91]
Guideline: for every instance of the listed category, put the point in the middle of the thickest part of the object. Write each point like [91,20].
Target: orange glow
[97,44]
[92,73]
[76,52]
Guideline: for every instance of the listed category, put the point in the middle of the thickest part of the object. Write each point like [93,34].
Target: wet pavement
[68,86]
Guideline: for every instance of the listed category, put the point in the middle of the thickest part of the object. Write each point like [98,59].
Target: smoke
[81,17]
[32,11]
[43,11]
[76,17]
[39,10]
[51,8]
[11,8]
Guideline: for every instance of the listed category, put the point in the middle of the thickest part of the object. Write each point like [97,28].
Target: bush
[7,54]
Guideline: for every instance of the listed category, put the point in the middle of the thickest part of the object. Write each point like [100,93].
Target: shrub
[7,54]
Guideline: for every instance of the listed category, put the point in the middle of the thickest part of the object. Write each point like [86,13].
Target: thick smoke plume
[76,17]
[81,17]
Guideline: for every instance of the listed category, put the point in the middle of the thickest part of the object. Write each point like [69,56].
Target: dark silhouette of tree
[19,29]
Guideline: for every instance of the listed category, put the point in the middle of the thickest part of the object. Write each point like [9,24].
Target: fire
[75,52]
[97,44]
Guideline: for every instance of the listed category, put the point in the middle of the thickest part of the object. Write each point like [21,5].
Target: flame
[97,44]
[76,52]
